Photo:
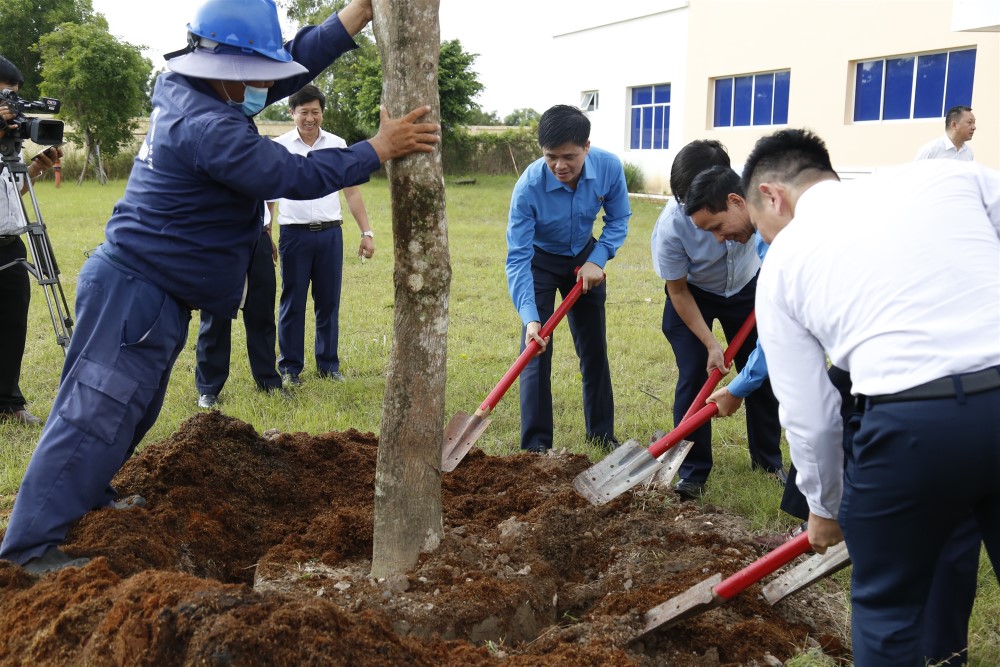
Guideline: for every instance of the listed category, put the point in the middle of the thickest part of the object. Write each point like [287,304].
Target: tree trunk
[408,474]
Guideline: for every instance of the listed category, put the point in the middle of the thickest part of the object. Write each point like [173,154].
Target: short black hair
[955,114]
[9,73]
[563,124]
[693,159]
[710,190]
[784,156]
[307,94]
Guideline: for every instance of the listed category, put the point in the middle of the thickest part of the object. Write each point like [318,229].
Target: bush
[635,181]
[507,152]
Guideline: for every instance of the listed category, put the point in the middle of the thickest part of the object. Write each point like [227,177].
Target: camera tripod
[44,268]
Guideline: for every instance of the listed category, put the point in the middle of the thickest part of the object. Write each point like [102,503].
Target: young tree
[101,83]
[24,22]
[408,517]
[520,117]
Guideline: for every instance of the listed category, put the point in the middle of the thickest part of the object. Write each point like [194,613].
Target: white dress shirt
[896,278]
[294,212]
[943,148]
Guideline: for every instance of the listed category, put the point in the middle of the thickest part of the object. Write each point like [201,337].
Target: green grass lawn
[483,342]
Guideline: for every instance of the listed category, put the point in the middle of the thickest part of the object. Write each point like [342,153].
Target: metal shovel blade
[807,573]
[460,435]
[695,600]
[672,460]
[629,464]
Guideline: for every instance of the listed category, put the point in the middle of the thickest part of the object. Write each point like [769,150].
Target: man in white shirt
[959,126]
[860,272]
[311,247]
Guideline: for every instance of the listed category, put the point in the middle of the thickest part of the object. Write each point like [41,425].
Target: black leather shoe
[292,380]
[781,476]
[336,376]
[606,444]
[53,559]
[21,416]
[207,401]
[689,490]
[537,449]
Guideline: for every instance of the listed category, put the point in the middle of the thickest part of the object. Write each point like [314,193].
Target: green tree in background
[24,22]
[353,84]
[102,84]
[478,116]
[519,117]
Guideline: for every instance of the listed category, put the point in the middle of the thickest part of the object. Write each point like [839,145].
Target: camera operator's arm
[42,163]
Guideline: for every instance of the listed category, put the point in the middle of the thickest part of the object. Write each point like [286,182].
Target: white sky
[511,38]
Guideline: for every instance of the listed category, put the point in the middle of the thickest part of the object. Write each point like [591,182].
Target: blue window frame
[649,125]
[753,99]
[913,86]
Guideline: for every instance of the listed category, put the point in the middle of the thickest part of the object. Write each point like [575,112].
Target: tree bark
[408,473]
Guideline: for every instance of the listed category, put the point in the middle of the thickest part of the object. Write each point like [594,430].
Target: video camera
[37,130]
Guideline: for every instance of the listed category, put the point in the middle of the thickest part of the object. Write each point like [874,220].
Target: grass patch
[483,342]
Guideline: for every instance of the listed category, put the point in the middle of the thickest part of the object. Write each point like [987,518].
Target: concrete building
[872,77]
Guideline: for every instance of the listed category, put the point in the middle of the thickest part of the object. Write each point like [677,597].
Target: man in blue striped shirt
[549,236]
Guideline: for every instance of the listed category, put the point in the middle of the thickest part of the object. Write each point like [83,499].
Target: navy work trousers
[15,295]
[316,257]
[763,427]
[587,324]
[897,523]
[214,335]
[127,337]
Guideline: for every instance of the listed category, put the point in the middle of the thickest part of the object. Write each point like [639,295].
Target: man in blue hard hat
[181,238]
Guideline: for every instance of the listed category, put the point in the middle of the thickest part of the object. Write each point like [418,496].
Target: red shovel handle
[530,350]
[731,351]
[763,566]
[684,429]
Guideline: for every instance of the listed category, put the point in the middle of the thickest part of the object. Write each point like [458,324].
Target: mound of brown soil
[255,550]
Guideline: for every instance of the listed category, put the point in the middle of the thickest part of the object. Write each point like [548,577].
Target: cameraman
[15,287]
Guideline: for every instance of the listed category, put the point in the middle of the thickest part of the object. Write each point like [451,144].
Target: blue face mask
[254,100]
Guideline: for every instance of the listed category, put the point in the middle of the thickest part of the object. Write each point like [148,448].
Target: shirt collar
[587,174]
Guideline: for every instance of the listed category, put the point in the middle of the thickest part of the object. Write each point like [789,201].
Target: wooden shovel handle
[731,351]
[530,350]
[763,566]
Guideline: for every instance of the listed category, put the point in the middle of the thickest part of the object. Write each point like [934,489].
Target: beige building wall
[820,41]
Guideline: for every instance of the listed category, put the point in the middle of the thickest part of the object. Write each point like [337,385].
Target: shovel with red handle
[464,430]
[713,591]
[631,463]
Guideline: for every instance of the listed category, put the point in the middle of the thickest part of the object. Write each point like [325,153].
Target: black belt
[325,224]
[946,387]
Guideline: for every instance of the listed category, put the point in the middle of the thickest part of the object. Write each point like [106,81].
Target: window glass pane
[723,102]
[642,95]
[868,91]
[961,68]
[661,94]
[782,83]
[647,127]
[658,112]
[742,100]
[636,128]
[666,127]
[763,96]
[929,95]
[898,88]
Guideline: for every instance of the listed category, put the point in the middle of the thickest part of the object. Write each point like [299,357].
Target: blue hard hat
[235,40]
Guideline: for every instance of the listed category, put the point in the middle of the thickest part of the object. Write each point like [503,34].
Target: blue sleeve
[670,259]
[315,48]
[520,250]
[616,216]
[752,376]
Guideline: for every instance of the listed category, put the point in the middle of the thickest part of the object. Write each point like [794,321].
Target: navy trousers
[127,337]
[917,472]
[587,324]
[763,427]
[316,257]
[214,335]
[945,636]
[15,295]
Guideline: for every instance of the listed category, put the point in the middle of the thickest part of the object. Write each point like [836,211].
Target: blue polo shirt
[192,208]
[547,214]
[682,250]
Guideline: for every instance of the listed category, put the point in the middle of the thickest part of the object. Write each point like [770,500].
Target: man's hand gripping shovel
[632,463]
[463,430]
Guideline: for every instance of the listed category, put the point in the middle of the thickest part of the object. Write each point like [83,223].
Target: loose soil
[255,550]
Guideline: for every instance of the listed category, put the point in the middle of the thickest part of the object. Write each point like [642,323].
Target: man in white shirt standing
[311,247]
[860,272]
[959,126]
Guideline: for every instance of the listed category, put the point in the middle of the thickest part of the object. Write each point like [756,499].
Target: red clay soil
[255,550]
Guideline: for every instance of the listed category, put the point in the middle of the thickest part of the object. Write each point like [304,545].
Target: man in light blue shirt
[706,281]
[549,236]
